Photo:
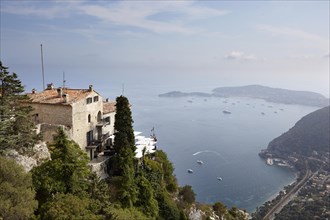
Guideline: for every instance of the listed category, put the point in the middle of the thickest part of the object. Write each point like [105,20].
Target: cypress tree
[124,147]
[16,126]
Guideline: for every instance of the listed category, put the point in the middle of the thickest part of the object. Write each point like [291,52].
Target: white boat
[226,112]
[219,178]
[270,161]
[200,162]
[190,171]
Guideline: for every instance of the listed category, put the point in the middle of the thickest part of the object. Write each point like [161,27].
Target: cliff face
[311,133]
[38,155]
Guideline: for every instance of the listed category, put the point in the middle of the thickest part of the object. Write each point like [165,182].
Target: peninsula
[269,94]
[304,147]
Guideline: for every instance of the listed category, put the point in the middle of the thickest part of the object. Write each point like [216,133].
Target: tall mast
[42,68]
[64,81]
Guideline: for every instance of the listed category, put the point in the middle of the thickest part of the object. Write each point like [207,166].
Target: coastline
[278,193]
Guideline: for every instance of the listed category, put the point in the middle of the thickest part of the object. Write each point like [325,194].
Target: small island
[269,94]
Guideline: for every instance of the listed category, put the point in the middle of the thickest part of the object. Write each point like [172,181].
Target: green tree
[124,143]
[187,194]
[67,207]
[219,209]
[146,200]
[16,126]
[124,147]
[16,193]
[67,172]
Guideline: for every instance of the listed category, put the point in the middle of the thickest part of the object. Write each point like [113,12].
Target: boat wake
[210,151]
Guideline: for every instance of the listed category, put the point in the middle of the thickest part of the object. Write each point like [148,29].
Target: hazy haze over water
[191,129]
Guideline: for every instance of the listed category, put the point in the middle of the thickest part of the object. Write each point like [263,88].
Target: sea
[190,129]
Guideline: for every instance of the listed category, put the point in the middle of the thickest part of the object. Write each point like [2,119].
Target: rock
[39,154]
[26,162]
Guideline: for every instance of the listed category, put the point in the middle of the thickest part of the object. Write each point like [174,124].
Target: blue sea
[194,128]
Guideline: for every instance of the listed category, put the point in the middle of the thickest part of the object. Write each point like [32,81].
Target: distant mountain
[311,133]
[274,95]
[260,92]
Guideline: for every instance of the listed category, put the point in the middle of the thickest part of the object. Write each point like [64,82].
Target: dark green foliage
[128,190]
[146,200]
[67,172]
[67,207]
[167,207]
[168,170]
[16,126]
[16,193]
[123,119]
[219,209]
[187,194]
[311,133]
[124,147]
[130,213]
[99,193]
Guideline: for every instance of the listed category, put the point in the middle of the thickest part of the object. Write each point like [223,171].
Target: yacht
[219,178]
[200,162]
[190,171]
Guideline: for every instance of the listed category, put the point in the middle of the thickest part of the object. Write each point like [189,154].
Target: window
[96,98]
[89,136]
[89,100]
[107,120]
[89,118]
[99,116]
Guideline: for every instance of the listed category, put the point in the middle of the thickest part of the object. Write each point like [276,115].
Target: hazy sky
[275,43]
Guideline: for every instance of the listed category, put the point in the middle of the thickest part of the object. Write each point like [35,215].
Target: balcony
[93,144]
[103,122]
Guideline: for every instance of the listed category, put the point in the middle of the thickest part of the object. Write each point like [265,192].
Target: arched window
[99,116]
[89,118]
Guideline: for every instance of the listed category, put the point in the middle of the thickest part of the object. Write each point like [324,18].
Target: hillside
[269,94]
[311,133]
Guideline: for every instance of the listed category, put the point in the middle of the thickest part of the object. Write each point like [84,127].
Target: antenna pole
[64,81]
[42,68]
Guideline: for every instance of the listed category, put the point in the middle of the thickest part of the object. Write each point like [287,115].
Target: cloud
[46,10]
[289,32]
[177,15]
[238,55]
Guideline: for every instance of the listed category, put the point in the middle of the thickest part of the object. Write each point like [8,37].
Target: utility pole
[42,68]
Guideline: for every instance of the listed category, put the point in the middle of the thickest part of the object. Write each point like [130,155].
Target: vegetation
[64,186]
[312,201]
[16,127]
[16,193]
[311,133]
[66,172]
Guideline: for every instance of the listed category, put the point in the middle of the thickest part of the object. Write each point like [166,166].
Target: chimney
[34,91]
[107,100]
[50,86]
[66,97]
[59,92]
[91,88]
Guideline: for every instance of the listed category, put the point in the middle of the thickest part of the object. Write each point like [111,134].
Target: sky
[212,43]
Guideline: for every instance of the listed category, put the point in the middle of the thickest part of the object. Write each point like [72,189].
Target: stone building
[82,113]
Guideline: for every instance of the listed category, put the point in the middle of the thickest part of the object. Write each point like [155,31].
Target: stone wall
[52,114]
[81,126]
[49,130]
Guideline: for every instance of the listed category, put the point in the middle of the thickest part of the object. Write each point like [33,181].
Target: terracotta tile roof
[51,96]
[109,107]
